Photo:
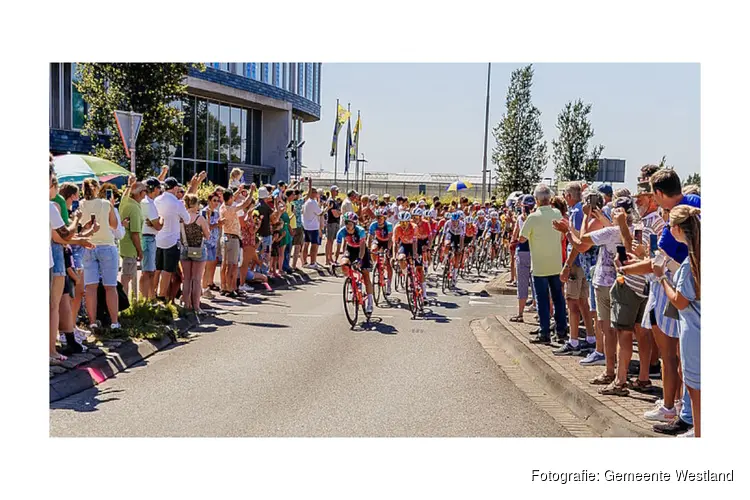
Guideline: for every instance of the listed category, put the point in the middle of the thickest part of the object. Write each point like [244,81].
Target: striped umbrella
[459,185]
[77,168]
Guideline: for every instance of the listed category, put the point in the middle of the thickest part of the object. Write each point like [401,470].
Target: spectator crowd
[606,268]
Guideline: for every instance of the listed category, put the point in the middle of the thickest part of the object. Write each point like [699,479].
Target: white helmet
[493,214]
[418,212]
[404,216]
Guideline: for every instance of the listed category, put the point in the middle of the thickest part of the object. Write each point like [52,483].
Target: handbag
[191,253]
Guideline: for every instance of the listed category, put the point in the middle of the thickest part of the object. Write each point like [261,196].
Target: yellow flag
[343,114]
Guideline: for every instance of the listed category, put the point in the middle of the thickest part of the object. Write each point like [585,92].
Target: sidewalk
[499,285]
[568,381]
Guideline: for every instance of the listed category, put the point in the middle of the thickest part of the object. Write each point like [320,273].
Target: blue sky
[430,117]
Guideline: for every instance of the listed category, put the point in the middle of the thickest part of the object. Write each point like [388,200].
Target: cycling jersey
[481,225]
[471,230]
[455,228]
[354,239]
[423,230]
[404,235]
[494,228]
[381,233]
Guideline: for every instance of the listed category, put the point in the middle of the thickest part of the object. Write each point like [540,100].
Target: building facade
[237,114]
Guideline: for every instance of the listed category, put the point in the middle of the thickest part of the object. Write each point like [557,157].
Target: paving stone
[57,370]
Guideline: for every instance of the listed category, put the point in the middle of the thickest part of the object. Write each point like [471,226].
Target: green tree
[692,180]
[148,88]
[520,152]
[574,161]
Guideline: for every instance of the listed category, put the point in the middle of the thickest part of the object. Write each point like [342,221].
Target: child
[72,344]
[278,229]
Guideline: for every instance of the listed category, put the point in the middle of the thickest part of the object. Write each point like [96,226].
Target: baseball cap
[170,183]
[528,200]
[262,193]
[605,189]
[153,183]
[334,188]
[624,202]
[276,193]
[644,188]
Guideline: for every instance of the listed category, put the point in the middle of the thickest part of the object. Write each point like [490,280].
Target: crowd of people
[604,267]
[625,267]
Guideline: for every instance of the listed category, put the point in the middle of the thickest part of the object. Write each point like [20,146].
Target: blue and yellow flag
[355,143]
[348,157]
[341,116]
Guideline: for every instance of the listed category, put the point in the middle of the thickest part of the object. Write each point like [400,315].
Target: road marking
[473,302]
[301,315]
[243,313]
[328,293]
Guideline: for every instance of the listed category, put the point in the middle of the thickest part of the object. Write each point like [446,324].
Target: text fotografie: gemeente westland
[615,476]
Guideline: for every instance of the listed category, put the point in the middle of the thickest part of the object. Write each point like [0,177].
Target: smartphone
[653,244]
[622,255]
[592,199]
[109,194]
[74,206]
[93,218]
[638,236]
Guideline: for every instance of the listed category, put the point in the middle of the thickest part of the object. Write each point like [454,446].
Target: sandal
[57,359]
[516,319]
[603,379]
[614,390]
[640,385]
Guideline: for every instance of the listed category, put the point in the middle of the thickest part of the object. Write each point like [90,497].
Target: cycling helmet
[456,215]
[470,220]
[447,216]
[418,212]
[481,213]
[350,217]
[380,213]
[404,216]
[493,214]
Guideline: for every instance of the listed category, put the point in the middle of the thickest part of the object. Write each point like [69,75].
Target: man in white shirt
[348,204]
[311,215]
[171,210]
[151,227]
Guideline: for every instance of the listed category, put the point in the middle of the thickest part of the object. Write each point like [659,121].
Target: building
[400,184]
[238,115]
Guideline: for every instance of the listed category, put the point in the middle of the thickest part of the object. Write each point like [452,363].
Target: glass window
[266,72]
[188,170]
[213,131]
[239,69]
[67,99]
[175,149]
[300,79]
[79,106]
[54,83]
[188,119]
[277,74]
[256,137]
[316,92]
[235,135]
[201,128]
[308,80]
[224,140]
[243,135]
[175,168]
[224,66]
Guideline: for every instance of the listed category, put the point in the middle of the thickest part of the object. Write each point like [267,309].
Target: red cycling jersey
[404,235]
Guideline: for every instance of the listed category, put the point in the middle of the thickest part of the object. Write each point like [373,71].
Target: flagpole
[356,160]
[336,156]
[348,109]
[486,133]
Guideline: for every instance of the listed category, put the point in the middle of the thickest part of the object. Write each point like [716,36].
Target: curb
[115,361]
[596,415]
[498,287]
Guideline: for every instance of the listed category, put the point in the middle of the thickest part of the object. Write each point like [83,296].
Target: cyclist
[356,251]
[424,242]
[404,239]
[471,232]
[491,232]
[455,231]
[379,238]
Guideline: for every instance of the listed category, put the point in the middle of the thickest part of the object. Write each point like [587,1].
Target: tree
[573,159]
[520,152]
[692,180]
[146,88]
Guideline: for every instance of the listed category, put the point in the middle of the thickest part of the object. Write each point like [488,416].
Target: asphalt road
[288,364]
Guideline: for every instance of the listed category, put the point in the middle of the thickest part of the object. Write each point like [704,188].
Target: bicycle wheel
[436,258]
[351,308]
[446,277]
[363,294]
[378,288]
[410,291]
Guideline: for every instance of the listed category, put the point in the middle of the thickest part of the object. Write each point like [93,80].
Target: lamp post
[486,133]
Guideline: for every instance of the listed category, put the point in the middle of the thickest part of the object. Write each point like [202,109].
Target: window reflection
[213,131]
[224,139]
[235,135]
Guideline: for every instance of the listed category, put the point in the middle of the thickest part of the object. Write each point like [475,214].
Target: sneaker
[567,350]
[115,326]
[207,294]
[61,338]
[593,359]
[660,414]
[561,339]
[673,428]
[246,288]
[268,287]
[540,340]
[688,434]
[80,334]
[388,288]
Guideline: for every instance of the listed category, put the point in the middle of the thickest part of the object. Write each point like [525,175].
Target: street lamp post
[486,133]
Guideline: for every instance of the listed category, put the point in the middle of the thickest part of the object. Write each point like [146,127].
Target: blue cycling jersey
[381,233]
[354,239]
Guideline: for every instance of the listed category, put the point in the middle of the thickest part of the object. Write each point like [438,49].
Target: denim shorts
[312,237]
[265,243]
[101,263]
[58,269]
[77,251]
[210,253]
[148,244]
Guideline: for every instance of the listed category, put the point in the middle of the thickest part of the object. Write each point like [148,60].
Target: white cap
[262,193]
[334,188]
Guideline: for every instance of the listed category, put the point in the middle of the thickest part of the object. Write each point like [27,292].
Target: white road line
[243,313]
[301,315]
[328,293]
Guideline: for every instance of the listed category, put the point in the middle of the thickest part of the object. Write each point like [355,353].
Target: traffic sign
[128,125]
[610,170]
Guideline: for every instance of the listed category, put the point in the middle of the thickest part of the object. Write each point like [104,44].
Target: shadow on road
[86,401]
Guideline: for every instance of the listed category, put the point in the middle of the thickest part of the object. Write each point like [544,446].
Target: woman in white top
[102,262]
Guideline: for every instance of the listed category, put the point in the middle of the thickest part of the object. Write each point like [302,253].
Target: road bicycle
[355,294]
[413,290]
[380,278]
[448,281]
[399,278]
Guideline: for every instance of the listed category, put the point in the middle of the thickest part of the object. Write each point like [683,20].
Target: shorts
[231,249]
[77,251]
[577,287]
[332,228]
[603,304]
[129,266]
[58,269]
[210,253]
[101,264]
[298,236]
[468,240]
[406,249]
[454,242]
[353,254]
[275,250]
[148,244]
[382,245]
[265,243]
[167,259]
[312,236]
[627,307]
[69,287]
[493,237]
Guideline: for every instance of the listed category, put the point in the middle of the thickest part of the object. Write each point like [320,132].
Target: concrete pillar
[275,137]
